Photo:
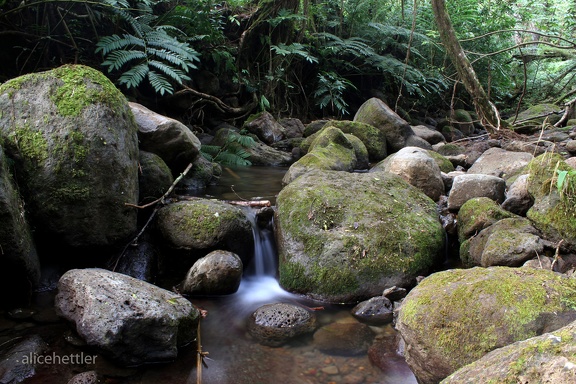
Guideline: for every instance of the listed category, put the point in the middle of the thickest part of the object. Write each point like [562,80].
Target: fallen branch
[568,110]
[244,203]
[159,203]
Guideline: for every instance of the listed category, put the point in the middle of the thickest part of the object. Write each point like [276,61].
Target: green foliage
[330,92]
[566,186]
[233,152]
[149,53]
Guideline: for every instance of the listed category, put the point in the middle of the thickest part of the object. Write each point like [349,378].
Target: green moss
[355,229]
[482,309]
[31,144]
[76,94]
[444,164]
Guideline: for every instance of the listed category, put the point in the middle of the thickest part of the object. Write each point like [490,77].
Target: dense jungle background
[200,60]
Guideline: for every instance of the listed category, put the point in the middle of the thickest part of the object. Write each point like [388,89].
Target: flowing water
[233,356]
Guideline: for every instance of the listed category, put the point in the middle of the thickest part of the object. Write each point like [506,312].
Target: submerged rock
[344,338]
[20,361]
[131,321]
[455,317]
[275,324]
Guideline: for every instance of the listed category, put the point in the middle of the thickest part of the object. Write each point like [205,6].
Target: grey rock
[375,311]
[131,321]
[466,187]
[217,273]
[275,324]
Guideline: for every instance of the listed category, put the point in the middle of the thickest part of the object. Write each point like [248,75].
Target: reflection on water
[248,183]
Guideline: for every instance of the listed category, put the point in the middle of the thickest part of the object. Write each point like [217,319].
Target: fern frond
[160,84]
[134,76]
[170,57]
[108,44]
[174,73]
[117,59]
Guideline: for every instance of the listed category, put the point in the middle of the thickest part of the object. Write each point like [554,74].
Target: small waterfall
[259,284]
[265,260]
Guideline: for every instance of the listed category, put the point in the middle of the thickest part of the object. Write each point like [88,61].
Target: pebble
[330,370]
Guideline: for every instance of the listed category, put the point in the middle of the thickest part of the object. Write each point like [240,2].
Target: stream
[233,356]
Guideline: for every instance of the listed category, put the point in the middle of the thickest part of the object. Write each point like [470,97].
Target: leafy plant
[232,152]
[150,52]
[330,91]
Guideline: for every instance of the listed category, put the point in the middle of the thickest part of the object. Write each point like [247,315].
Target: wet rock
[168,138]
[455,317]
[218,273]
[344,338]
[139,261]
[275,324]
[394,293]
[89,377]
[417,167]
[131,321]
[18,363]
[466,187]
[375,311]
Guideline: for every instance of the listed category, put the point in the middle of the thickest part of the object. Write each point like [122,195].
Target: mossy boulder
[548,358]
[376,113]
[19,264]
[508,242]
[455,317]
[478,213]
[533,117]
[374,139]
[155,177]
[463,121]
[202,226]
[74,142]
[554,209]
[330,150]
[345,237]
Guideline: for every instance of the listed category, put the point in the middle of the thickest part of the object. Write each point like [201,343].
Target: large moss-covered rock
[345,237]
[19,264]
[73,139]
[376,113]
[533,117]
[554,209]
[330,150]
[548,358]
[373,138]
[206,225]
[455,317]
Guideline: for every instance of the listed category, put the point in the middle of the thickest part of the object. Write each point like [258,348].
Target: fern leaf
[108,44]
[134,76]
[117,59]
[160,84]
[174,73]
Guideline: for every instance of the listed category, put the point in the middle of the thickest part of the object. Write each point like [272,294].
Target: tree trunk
[484,108]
